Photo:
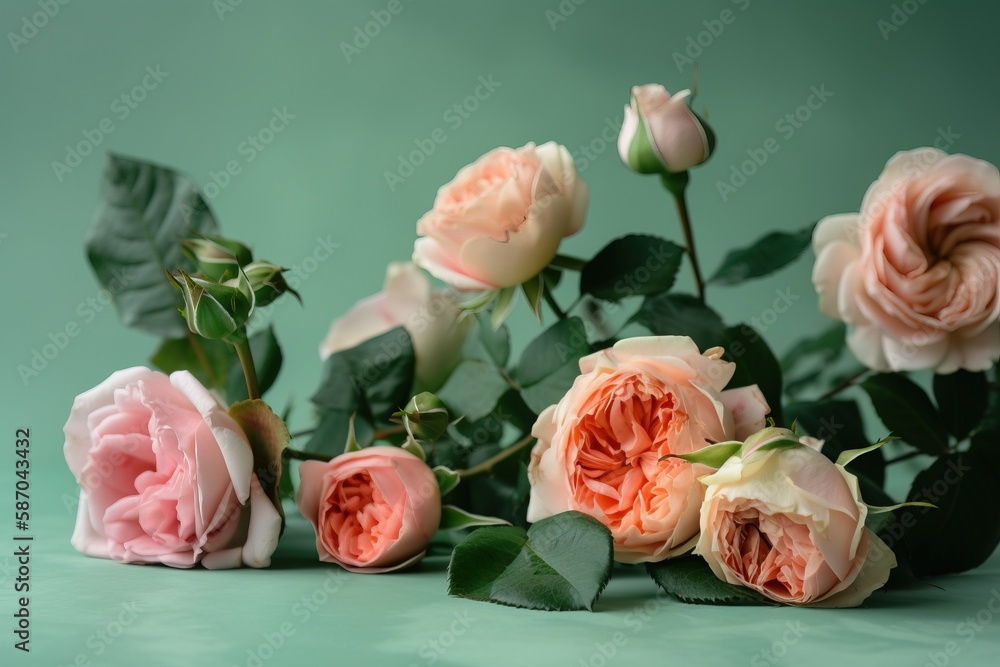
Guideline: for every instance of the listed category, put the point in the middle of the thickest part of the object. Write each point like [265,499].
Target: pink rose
[500,221]
[407,300]
[166,476]
[916,274]
[599,448]
[374,510]
[791,524]
[661,132]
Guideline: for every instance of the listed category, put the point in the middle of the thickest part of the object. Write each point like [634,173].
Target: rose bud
[374,510]
[267,282]
[425,417]
[214,310]
[661,134]
[217,257]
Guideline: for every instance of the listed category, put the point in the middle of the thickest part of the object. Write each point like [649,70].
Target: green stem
[676,184]
[246,360]
[846,384]
[904,457]
[502,455]
[551,300]
[290,453]
[568,262]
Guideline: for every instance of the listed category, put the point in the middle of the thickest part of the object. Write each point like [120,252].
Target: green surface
[316,198]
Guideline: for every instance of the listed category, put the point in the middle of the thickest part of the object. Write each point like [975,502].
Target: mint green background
[323,177]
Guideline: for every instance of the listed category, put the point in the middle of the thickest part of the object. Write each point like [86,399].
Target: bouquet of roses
[735,477]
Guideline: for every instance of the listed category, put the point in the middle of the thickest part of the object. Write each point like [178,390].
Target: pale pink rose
[166,476]
[500,221]
[431,317]
[374,510]
[790,524]
[916,274]
[599,448]
[678,139]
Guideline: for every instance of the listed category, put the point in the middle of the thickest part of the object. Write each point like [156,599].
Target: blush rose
[166,476]
[374,510]
[599,448]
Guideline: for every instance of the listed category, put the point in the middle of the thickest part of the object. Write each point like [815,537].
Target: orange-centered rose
[599,449]
[916,274]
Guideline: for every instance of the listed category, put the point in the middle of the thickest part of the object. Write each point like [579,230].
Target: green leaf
[267,359]
[691,580]
[372,380]
[145,210]
[712,456]
[964,532]
[561,563]
[755,364]
[550,363]
[473,389]
[414,447]
[839,424]
[209,364]
[503,305]
[488,344]
[849,455]
[962,397]
[682,315]
[455,517]
[768,254]
[447,479]
[533,292]
[634,265]
[907,411]
[268,437]
[826,346]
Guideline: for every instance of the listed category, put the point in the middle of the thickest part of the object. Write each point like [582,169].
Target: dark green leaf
[486,343]
[134,239]
[267,360]
[755,364]
[634,265]
[551,363]
[768,254]
[962,397]
[826,347]
[210,366]
[682,315]
[965,530]
[691,580]
[561,563]
[839,424]
[332,433]
[472,390]
[907,411]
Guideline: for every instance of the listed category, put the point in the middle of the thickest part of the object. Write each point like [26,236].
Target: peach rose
[599,448]
[790,524]
[500,221]
[660,132]
[166,476]
[374,510]
[916,274]
[407,300]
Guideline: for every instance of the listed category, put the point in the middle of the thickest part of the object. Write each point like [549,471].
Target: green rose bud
[214,310]
[267,282]
[216,257]
[425,417]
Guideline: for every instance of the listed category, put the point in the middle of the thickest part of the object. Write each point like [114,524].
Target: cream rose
[916,274]
[790,524]
[407,300]
[373,510]
[166,476]
[599,448]
[500,221]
